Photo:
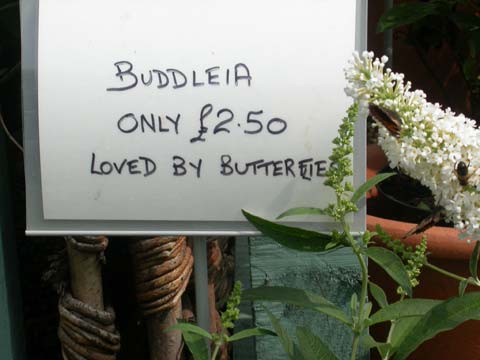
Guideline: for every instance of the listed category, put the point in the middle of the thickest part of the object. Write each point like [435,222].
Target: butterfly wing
[387,118]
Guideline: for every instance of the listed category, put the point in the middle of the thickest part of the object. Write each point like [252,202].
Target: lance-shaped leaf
[378,294]
[196,344]
[466,21]
[292,237]
[404,14]
[369,342]
[473,263]
[362,189]
[191,328]
[403,309]
[312,347]
[442,317]
[392,264]
[288,345]
[249,333]
[296,297]
[462,286]
[298,211]
[400,330]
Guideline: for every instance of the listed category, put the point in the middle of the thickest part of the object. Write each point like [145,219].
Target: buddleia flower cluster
[431,143]
[232,312]
[342,169]
[414,258]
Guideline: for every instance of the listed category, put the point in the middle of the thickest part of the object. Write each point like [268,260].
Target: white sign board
[188,111]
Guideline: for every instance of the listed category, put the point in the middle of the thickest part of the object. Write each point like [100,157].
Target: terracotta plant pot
[446,250]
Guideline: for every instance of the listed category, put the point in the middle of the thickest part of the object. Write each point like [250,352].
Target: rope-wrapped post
[87,330]
[214,256]
[163,266]
[220,270]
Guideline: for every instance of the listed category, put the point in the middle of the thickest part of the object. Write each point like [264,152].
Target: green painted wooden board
[11,320]
[334,275]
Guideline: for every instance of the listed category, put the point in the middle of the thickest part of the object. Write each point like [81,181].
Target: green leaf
[366,311]
[288,345]
[442,317]
[312,347]
[466,21]
[404,14]
[378,294]
[302,211]
[362,189]
[296,297]
[403,309]
[400,331]
[354,304]
[191,328]
[462,286]
[423,206]
[197,345]
[292,237]
[473,263]
[392,264]
[369,342]
[469,68]
[474,43]
[250,332]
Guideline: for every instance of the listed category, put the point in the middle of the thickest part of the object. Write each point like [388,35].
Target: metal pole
[201,282]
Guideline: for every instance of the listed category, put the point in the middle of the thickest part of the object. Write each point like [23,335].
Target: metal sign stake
[201,281]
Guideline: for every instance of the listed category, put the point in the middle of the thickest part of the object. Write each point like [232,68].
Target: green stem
[389,338]
[363,292]
[451,275]
[390,333]
[356,341]
[215,351]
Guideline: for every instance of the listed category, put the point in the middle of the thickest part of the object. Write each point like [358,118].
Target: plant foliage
[412,321]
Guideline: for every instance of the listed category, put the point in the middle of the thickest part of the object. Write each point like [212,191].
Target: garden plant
[430,144]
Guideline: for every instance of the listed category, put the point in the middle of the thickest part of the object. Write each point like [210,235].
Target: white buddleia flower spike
[432,141]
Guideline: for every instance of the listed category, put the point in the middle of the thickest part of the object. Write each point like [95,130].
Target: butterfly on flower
[388,118]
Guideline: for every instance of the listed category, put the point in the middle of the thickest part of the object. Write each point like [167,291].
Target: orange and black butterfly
[388,118]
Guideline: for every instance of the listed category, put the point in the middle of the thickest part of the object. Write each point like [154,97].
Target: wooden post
[165,345]
[85,276]
[163,266]
[87,329]
[219,272]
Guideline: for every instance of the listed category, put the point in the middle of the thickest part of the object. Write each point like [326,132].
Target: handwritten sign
[188,110]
